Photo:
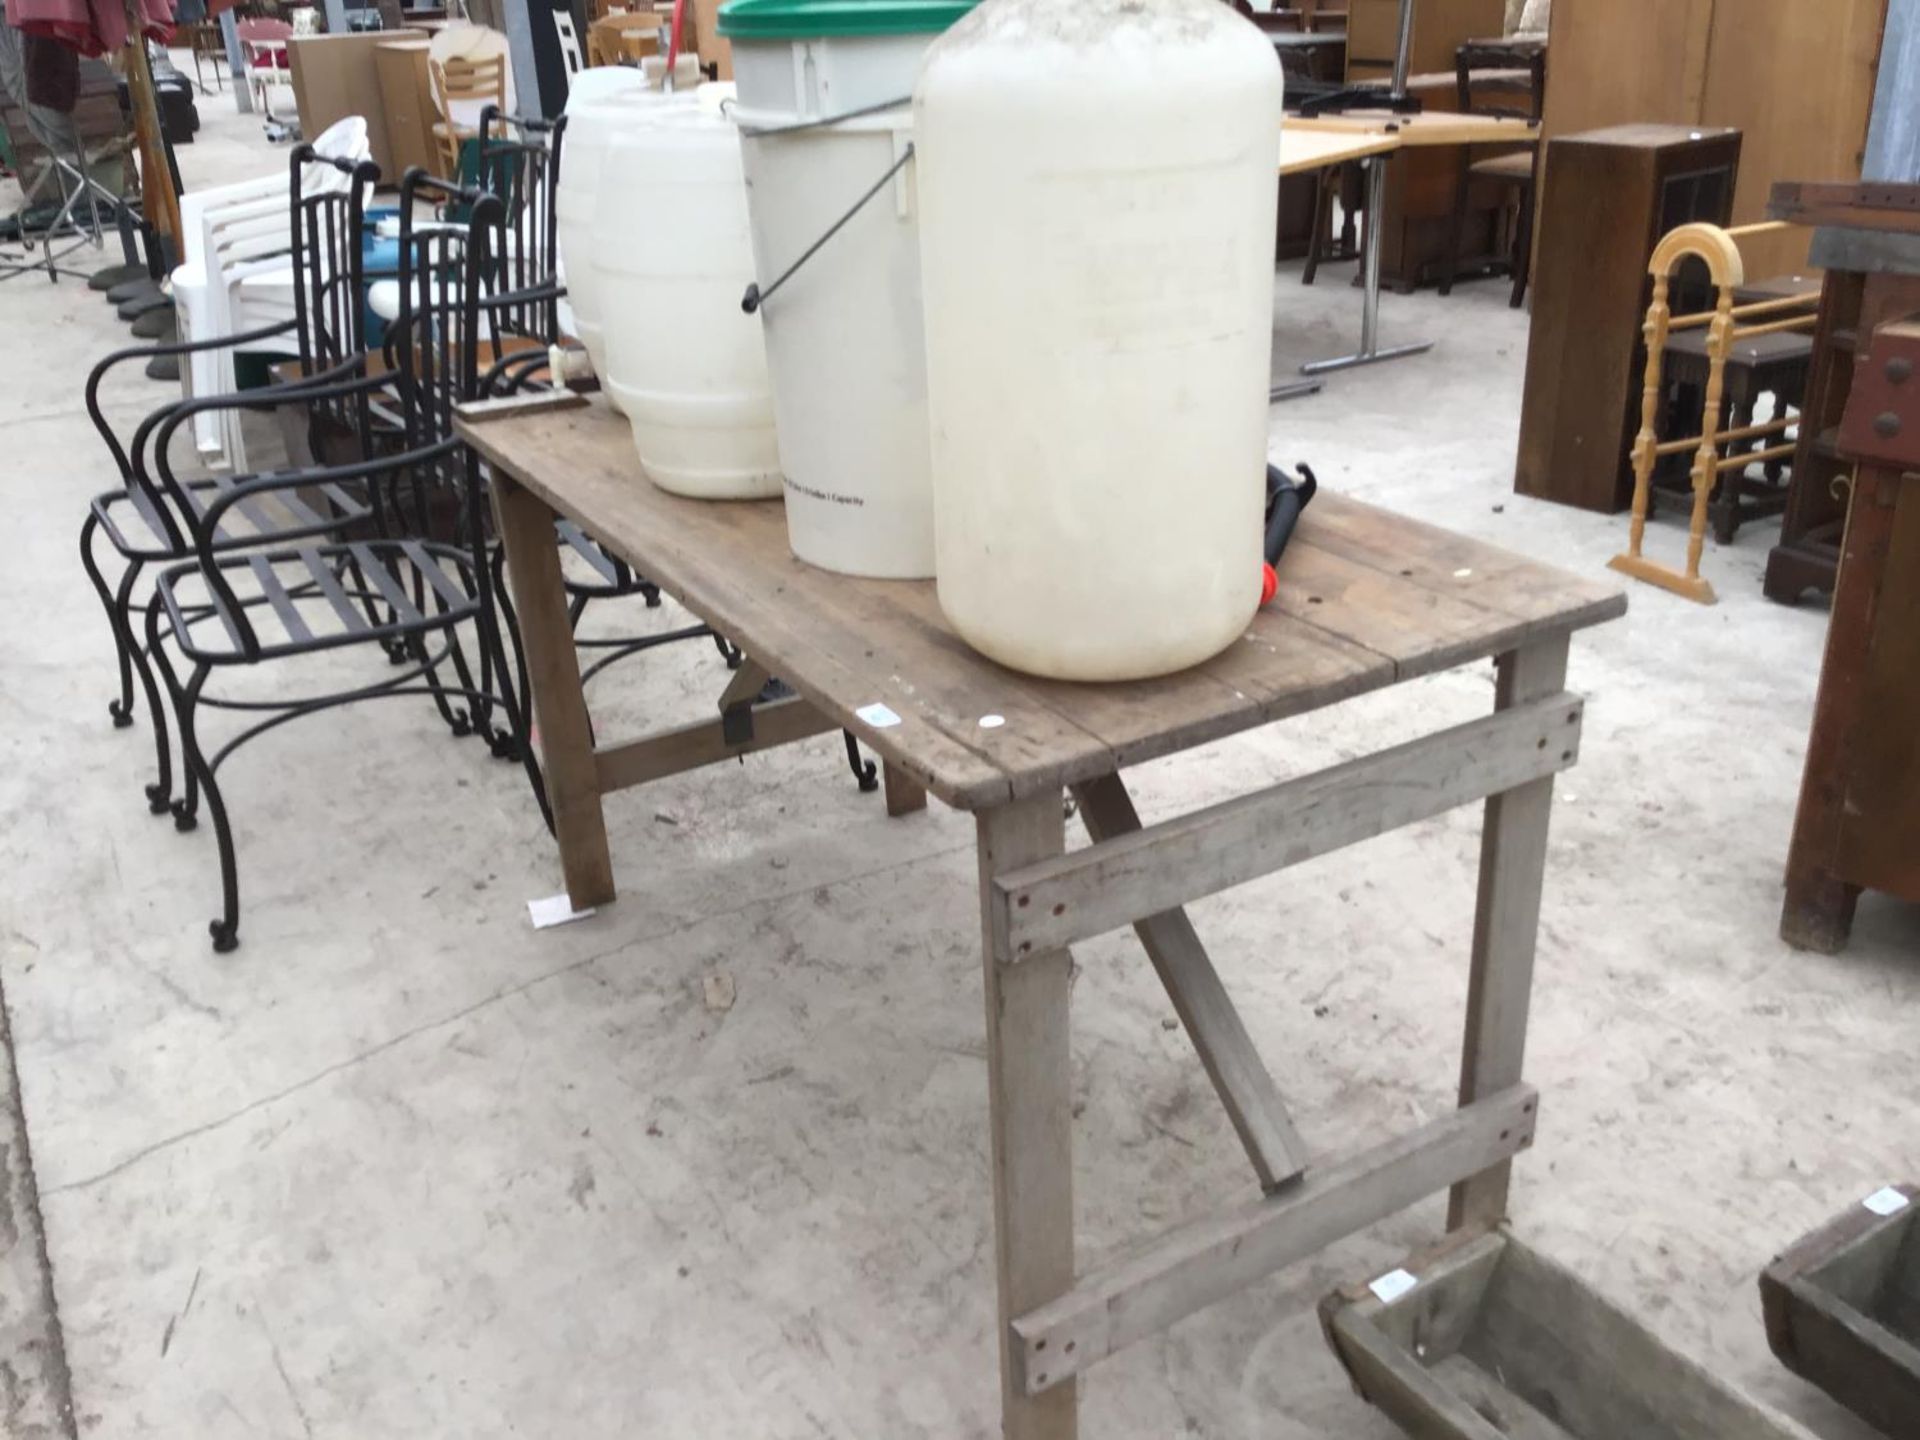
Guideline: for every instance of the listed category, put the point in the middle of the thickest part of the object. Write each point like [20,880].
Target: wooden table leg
[904,793]
[1030,1092]
[1513,862]
[559,703]
[1818,913]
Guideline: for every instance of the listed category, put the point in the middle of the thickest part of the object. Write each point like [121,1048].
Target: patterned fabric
[92,27]
[55,131]
[53,73]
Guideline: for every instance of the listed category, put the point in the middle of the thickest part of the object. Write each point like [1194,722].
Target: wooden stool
[1780,287]
[1773,365]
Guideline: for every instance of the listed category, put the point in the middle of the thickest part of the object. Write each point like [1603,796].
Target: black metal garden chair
[518,160]
[147,526]
[415,585]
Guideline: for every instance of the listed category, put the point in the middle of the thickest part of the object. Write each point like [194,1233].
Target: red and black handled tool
[1287,496]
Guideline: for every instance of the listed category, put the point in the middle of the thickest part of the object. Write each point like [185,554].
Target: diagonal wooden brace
[737,701]
[1227,1052]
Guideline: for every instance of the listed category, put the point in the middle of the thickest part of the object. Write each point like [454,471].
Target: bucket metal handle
[756,296]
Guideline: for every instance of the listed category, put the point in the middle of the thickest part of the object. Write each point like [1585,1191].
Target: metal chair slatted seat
[259,518]
[408,583]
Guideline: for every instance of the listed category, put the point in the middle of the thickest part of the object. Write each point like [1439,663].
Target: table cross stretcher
[1368,599]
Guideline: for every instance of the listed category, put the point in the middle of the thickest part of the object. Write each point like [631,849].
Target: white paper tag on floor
[1391,1286]
[554,910]
[1886,1202]
[878,716]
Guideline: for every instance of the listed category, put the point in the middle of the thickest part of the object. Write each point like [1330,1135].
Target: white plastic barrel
[1096,230]
[600,102]
[844,339]
[671,258]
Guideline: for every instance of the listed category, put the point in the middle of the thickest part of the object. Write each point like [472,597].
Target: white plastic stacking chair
[238,275]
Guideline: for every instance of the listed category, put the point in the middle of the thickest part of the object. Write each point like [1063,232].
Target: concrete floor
[402,1166]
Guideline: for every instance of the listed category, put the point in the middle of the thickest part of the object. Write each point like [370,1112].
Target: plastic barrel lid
[800,19]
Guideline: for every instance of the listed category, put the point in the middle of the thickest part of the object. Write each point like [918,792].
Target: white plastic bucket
[671,258]
[844,339]
[602,102]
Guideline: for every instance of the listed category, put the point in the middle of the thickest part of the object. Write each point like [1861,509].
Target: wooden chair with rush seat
[1496,70]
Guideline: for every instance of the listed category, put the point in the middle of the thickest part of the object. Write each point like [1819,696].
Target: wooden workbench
[1367,599]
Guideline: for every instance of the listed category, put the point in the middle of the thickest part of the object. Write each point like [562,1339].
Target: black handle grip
[1287,496]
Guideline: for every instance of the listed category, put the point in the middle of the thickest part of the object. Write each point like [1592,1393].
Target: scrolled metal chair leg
[159,793]
[122,709]
[225,930]
[519,736]
[184,810]
[510,627]
[865,771]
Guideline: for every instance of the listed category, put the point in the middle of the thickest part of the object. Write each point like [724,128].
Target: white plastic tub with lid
[844,341]
[1097,208]
[601,101]
[671,259]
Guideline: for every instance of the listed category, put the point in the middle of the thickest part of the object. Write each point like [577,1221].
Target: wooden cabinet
[1609,196]
[1439,27]
[1795,77]
[1797,80]
[406,95]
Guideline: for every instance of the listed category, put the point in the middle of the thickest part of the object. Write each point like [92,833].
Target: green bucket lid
[803,19]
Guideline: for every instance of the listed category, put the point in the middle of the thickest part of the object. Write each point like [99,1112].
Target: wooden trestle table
[1367,599]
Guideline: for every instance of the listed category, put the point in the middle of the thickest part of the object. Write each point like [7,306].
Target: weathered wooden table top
[1367,598]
